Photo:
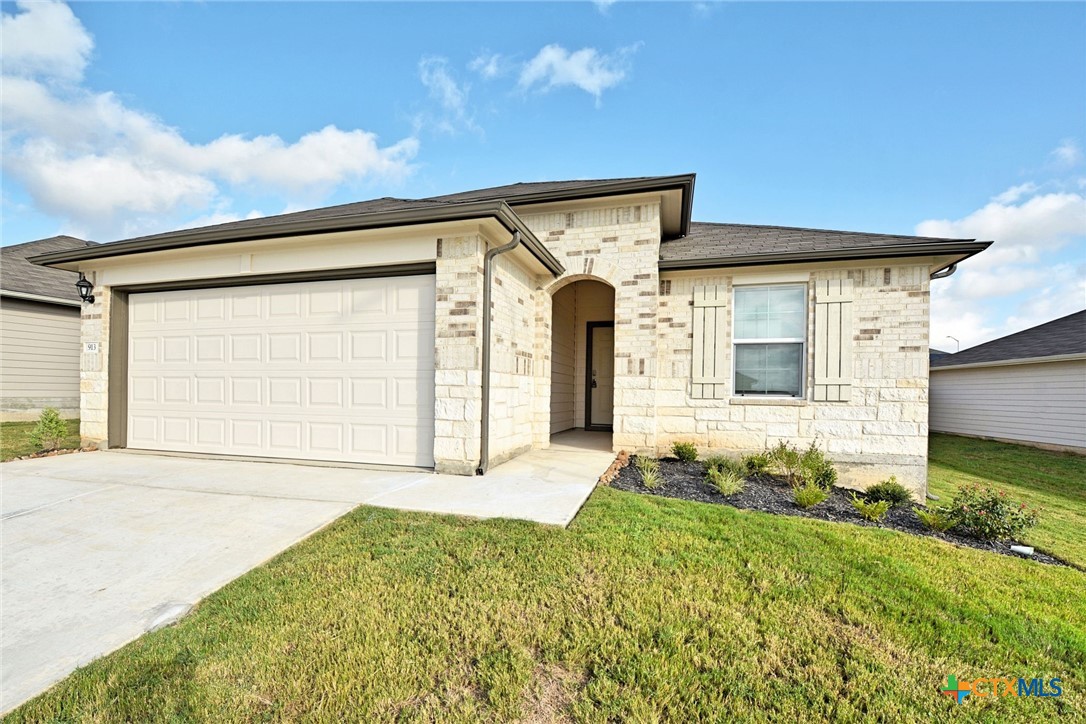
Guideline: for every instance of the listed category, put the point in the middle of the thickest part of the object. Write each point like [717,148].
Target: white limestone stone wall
[94,370]
[881,431]
[618,245]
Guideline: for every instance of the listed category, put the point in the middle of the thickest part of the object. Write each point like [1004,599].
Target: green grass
[1054,482]
[645,609]
[15,438]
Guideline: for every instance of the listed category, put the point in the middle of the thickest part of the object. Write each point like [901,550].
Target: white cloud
[587,69]
[45,38]
[488,65]
[108,169]
[604,5]
[1026,278]
[1067,154]
[450,95]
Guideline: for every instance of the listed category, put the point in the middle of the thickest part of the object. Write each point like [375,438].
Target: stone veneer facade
[881,431]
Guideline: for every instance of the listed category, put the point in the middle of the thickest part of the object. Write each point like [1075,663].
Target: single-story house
[459,331]
[1028,387]
[39,332]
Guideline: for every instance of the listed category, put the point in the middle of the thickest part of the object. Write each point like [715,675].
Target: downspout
[945,272]
[488,281]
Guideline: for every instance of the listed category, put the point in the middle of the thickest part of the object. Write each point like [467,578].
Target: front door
[600,367]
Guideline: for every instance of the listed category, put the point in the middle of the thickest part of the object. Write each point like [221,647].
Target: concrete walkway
[100,547]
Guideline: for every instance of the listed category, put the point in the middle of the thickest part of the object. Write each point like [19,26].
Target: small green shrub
[650,471]
[816,469]
[872,510]
[685,451]
[757,463]
[49,432]
[987,514]
[785,461]
[726,481]
[891,491]
[723,462]
[809,495]
[936,519]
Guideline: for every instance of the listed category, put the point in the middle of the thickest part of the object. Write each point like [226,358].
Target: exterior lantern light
[85,289]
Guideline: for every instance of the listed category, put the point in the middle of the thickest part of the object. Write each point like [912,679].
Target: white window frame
[802,341]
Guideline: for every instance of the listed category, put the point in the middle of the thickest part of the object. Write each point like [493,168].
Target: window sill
[773,401]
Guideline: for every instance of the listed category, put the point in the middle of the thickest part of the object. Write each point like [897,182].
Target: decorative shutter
[833,340]
[710,373]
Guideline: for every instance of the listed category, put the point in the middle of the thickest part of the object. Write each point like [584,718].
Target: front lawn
[15,438]
[1054,482]
[645,609]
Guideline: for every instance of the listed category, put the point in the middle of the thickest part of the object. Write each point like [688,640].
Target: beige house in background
[1027,388]
[459,331]
[39,332]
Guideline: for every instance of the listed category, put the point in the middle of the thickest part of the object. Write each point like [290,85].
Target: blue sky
[942,119]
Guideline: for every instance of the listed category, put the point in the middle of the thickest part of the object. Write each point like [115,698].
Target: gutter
[968,248]
[488,283]
[40,298]
[944,273]
[498,210]
[1012,362]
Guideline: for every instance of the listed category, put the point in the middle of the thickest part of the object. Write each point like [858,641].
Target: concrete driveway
[100,547]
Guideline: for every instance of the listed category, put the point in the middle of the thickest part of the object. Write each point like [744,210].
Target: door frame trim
[117,401]
[591,327]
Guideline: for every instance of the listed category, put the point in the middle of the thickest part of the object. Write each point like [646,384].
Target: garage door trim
[117,414]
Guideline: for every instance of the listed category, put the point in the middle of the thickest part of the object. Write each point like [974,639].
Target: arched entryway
[582,363]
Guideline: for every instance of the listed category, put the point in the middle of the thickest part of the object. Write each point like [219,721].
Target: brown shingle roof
[1063,336]
[19,275]
[745,243]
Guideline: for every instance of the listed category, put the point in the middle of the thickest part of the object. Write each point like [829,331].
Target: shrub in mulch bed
[769,494]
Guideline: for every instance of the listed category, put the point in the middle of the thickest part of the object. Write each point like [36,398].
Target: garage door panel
[327,371]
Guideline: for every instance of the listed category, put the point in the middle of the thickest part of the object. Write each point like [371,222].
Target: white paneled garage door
[336,370]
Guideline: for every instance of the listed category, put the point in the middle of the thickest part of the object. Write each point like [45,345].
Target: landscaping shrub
[785,461]
[936,519]
[872,510]
[685,451]
[725,480]
[986,513]
[723,462]
[889,490]
[50,430]
[816,469]
[650,471]
[757,463]
[809,495]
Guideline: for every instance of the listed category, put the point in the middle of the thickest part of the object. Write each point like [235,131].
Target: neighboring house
[1028,387]
[39,332]
[357,333]
[934,354]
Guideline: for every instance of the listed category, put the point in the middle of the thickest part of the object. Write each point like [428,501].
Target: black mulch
[772,495]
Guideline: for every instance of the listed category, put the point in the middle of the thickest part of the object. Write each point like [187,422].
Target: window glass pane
[769,369]
[771,312]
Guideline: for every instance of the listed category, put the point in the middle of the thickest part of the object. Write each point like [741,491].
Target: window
[770,339]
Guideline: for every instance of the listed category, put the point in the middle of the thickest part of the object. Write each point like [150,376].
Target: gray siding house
[1028,387]
[39,332]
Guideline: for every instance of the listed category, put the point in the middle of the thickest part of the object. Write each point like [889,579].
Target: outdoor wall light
[85,289]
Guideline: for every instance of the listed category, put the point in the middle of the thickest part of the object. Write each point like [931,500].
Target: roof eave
[1015,361]
[964,250]
[498,210]
[43,298]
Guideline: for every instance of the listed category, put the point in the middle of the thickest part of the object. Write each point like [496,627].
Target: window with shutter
[770,340]
[710,373]
[833,341]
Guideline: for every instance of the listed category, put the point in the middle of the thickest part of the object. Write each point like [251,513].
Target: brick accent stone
[94,370]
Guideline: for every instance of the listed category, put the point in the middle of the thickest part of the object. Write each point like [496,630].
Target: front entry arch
[582,356]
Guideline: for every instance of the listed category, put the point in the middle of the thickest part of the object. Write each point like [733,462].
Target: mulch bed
[769,494]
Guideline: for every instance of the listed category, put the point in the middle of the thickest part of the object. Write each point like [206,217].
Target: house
[1027,388]
[39,332]
[357,333]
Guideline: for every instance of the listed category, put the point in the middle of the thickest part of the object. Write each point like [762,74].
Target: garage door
[336,370]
